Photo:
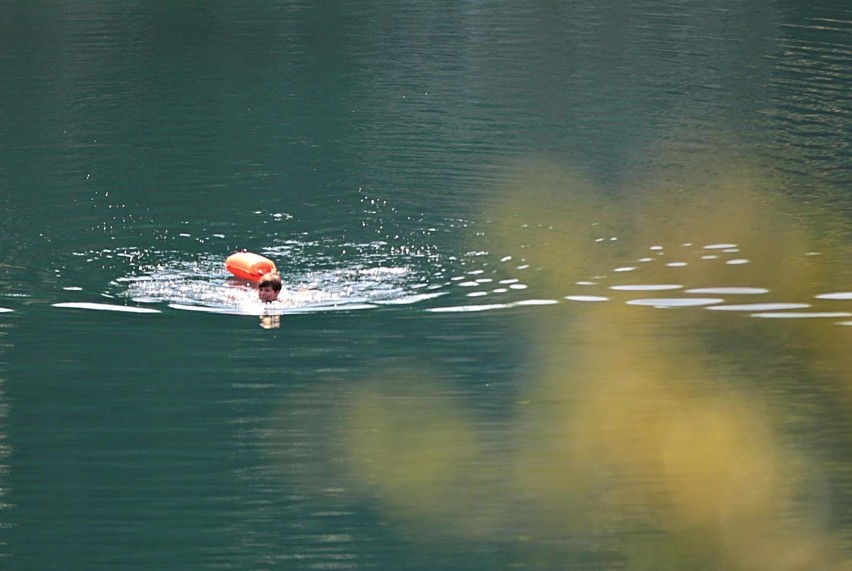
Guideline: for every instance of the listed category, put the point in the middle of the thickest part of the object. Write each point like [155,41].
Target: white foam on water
[410,299]
[272,309]
[729,290]
[206,309]
[835,295]
[759,306]
[492,306]
[586,298]
[469,308]
[719,246]
[106,307]
[646,287]
[676,302]
[802,314]
[323,308]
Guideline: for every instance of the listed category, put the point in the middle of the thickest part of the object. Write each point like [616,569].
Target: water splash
[204,285]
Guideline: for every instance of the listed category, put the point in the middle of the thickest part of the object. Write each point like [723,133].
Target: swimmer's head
[268,286]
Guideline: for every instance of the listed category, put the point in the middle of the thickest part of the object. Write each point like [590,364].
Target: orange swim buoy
[248,266]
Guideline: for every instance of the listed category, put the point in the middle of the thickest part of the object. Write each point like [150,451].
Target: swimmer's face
[266,293]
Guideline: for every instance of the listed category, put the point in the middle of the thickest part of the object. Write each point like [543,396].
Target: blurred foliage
[637,438]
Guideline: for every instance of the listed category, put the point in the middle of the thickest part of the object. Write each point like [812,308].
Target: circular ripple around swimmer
[203,285]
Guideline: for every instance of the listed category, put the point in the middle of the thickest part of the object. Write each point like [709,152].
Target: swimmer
[269,287]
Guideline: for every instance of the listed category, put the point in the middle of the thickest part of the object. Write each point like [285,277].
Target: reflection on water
[602,258]
[657,435]
[656,439]
[657,420]
[5,445]
[550,235]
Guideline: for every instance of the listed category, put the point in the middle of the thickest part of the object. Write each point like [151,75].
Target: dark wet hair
[272,279]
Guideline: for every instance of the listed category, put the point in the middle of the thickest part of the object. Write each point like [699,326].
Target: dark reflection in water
[5,445]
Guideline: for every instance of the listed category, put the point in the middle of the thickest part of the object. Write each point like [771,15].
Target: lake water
[567,285]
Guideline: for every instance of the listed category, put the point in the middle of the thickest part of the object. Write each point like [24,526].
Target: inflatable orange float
[249,266]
